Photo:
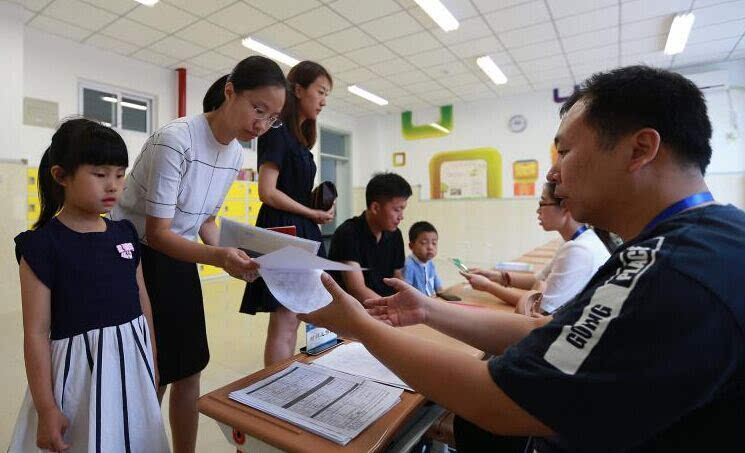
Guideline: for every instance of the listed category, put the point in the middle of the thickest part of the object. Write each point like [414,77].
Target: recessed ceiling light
[270,52]
[492,70]
[354,89]
[679,31]
[437,11]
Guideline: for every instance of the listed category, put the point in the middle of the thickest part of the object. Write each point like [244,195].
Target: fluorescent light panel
[147,2]
[679,31]
[267,51]
[437,11]
[354,89]
[492,70]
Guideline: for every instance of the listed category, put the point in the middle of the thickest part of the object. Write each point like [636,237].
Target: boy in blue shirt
[419,270]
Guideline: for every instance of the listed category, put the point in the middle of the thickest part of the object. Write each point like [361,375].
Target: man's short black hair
[623,100]
[386,186]
[419,228]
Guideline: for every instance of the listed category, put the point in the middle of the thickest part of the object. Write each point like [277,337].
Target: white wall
[11,79]
[73,62]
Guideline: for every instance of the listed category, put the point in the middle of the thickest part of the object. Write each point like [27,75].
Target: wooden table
[248,429]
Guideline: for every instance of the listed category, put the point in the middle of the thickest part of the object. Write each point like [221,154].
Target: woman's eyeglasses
[273,122]
[541,204]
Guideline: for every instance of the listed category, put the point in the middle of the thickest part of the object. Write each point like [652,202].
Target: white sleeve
[571,269]
[166,158]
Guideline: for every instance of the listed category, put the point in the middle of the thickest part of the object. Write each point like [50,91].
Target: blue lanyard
[680,206]
[579,231]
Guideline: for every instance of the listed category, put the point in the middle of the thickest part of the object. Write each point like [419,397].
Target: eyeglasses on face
[273,122]
[542,204]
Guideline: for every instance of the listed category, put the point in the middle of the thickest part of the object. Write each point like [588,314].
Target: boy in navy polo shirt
[419,270]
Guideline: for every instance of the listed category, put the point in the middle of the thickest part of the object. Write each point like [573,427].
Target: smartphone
[323,348]
[459,264]
[449,297]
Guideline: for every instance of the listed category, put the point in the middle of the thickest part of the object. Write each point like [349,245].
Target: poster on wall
[470,173]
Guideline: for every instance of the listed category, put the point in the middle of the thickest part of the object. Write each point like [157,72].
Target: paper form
[293,276]
[257,241]
[353,358]
[331,404]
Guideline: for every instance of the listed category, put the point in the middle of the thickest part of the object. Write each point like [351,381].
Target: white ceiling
[393,49]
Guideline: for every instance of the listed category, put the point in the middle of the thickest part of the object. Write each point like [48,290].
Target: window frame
[120,93]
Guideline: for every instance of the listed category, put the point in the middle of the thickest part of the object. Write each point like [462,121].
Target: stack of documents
[354,358]
[333,405]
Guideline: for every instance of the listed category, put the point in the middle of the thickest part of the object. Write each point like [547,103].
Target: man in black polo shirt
[372,240]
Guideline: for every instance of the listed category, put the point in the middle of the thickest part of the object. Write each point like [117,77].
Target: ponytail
[215,95]
[51,194]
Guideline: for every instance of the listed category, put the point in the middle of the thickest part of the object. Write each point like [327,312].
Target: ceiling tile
[457,80]
[486,6]
[71,11]
[407,78]
[550,84]
[114,6]
[338,63]
[563,8]
[477,47]
[393,26]
[371,55]
[424,87]
[656,59]
[500,58]
[346,40]
[283,9]
[643,9]
[460,9]
[199,8]
[584,70]
[311,50]
[470,89]
[549,74]
[737,55]
[111,44]
[543,64]
[589,40]
[644,45]
[358,12]
[379,84]
[318,22]
[719,13]
[391,67]
[478,97]
[194,70]
[646,28]
[533,51]
[714,32]
[599,19]
[215,61]
[518,16]
[280,35]
[446,69]
[528,35]
[469,29]
[177,48]
[590,55]
[241,19]
[162,16]
[132,32]
[689,60]
[206,34]
[432,57]
[235,50]
[409,45]
[357,75]
[710,47]
[59,28]
[33,5]
[155,58]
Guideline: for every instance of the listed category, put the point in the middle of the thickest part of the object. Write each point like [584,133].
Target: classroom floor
[236,349]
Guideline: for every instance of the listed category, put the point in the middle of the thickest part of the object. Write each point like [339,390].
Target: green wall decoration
[433,130]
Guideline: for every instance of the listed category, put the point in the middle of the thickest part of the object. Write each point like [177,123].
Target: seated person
[571,268]
[650,355]
[419,270]
[372,240]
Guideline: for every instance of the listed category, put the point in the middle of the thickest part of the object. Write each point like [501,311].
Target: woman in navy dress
[286,175]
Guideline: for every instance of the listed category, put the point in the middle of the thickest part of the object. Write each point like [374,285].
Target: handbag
[323,196]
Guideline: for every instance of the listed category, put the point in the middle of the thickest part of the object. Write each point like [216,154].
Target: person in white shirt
[571,268]
[173,193]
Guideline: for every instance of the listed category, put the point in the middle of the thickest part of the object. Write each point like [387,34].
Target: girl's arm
[148,313]
[269,194]
[36,302]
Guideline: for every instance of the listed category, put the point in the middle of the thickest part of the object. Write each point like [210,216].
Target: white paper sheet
[259,241]
[331,404]
[293,276]
[353,358]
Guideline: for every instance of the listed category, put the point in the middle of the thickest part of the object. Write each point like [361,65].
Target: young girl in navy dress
[86,315]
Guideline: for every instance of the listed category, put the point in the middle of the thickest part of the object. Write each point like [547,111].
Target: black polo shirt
[353,241]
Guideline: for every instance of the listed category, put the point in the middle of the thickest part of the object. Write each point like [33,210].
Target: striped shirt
[183,173]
